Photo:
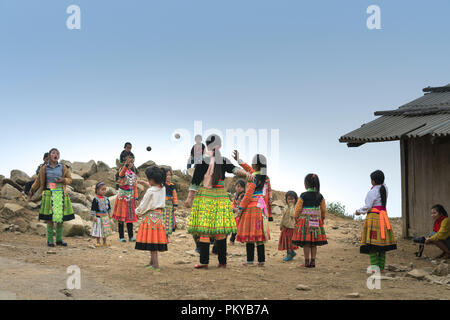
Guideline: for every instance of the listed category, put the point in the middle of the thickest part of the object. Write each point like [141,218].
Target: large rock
[102,167]
[12,184]
[418,274]
[1,180]
[81,210]
[39,228]
[74,227]
[21,223]
[76,197]
[276,211]
[19,177]
[84,169]
[77,183]
[37,196]
[10,193]
[441,270]
[11,210]
[145,165]
[68,164]
[278,203]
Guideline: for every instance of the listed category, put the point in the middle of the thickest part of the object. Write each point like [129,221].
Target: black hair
[312,181]
[214,141]
[241,183]
[98,185]
[291,193]
[127,144]
[52,149]
[440,209]
[156,174]
[261,162]
[45,155]
[378,177]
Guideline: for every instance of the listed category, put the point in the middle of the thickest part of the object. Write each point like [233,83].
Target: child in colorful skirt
[171,204]
[125,204]
[310,212]
[101,215]
[239,187]
[287,226]
[152,233]
[267,190]
[56,207]
[377,236]
[212,215]
[253,225]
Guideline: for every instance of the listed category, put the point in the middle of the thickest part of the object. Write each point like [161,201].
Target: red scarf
[437,224]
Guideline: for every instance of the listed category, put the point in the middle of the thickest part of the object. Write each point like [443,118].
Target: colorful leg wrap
[49,233]
[59,232]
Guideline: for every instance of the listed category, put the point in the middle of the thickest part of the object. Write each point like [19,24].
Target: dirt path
[27,271]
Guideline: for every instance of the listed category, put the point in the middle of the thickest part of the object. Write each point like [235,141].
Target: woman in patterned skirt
[377,236]
[212,215]
[56,207]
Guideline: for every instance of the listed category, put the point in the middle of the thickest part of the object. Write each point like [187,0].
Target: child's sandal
[201,266]
[312,263]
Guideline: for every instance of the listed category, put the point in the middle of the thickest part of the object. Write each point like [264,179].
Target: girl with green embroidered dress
[55,205]
[212,215]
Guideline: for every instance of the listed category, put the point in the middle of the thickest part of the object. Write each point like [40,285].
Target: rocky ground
[31,270]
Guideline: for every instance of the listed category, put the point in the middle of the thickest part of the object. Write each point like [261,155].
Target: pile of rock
[439,274]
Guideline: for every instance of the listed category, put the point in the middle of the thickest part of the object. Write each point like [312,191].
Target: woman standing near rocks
[55,205]
[212,215]
[125,205]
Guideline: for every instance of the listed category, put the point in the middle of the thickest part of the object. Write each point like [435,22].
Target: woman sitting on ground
[440,236]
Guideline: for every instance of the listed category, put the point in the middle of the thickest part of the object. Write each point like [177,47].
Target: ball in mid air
[149,148]
[177,136]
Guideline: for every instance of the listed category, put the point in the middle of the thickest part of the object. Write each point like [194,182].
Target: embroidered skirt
[211,213]
[56,206]
[151,235]
[101,228]
[371,236]
[169,217]
[253,226]
[285,242]
[309,229]
[125,207]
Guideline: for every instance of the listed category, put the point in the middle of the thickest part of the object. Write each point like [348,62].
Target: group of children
[213,215]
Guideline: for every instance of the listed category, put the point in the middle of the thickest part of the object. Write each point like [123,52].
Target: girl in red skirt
[310,212]
[152,233]
[125,204]
[287,226]
[253,228]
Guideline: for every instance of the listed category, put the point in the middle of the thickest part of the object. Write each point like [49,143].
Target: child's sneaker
[293,253]
[288,257]
[133,239]
[122,240]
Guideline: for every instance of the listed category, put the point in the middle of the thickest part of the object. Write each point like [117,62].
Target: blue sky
[139,70]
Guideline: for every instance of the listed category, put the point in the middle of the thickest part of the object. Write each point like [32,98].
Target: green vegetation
[338,209]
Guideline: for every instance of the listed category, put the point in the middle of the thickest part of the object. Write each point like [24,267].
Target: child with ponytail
[377,236]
